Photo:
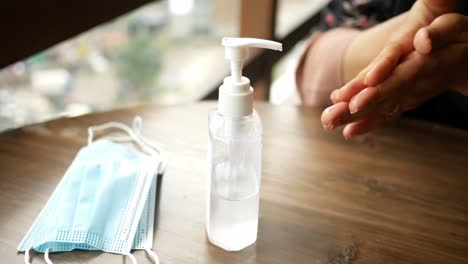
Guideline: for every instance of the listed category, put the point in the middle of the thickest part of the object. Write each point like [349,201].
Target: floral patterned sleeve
[360,14]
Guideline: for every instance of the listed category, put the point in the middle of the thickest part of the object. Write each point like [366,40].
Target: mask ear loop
[46,257]
[26,256]
[123,127]
[131,257]
[133,134]
[152,254]
[137,126]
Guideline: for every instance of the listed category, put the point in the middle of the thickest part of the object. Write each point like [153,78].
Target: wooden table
[399,195]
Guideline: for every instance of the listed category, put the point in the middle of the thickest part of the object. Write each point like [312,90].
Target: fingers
[338,115]
[347,92]
[356,124]
[359,83]
[361,127]
[372,106]
[386,99]
[335,115]
[446,29]
[379,70]
[384,64]
[363,99]
[381,101]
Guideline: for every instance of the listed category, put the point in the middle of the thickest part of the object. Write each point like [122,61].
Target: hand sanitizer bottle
[235,154]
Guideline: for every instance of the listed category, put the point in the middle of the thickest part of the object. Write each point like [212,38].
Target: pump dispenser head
[237,50]
[235,95]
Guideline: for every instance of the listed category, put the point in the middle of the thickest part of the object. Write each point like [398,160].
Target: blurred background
[159,52]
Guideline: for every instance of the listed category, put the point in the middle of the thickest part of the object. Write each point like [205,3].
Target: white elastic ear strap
[149,147]
[131,257]
[48,261]
[46,257]
[26,256]
[137,127]
[120,126]
[152,254]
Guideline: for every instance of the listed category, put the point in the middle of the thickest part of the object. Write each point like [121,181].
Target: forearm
[365,47]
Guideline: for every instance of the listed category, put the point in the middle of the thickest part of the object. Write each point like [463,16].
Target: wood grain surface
[398,195]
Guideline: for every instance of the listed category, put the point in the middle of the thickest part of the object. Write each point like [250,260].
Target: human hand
[399,45]
[417,78]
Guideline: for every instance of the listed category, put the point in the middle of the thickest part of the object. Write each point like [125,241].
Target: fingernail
[353,104]
[328,126]
[334,124]
[328,109]
[337,94]
[366,78]
[333,96]
[346,133]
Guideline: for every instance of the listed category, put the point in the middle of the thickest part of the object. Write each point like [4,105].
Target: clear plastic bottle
[234,181]
[235,154]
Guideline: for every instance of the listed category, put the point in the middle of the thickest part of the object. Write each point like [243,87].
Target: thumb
[444,30]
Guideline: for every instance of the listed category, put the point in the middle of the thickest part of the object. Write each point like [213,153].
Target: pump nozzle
[236,94]
[237,50]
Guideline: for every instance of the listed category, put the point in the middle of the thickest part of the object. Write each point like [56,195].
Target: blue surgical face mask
[105,201]
[144,236]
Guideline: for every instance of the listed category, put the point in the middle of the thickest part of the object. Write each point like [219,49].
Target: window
[165,52]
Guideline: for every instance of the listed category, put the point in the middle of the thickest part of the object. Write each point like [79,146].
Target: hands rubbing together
[426,57]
